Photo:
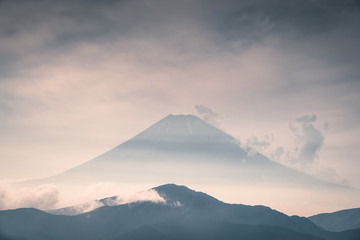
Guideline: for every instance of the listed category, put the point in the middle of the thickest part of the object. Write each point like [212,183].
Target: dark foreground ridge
[185,214]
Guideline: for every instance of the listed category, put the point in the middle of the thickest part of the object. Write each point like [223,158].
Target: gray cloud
[278,153]
[306,118]
[309,139]
[43,27]
[303,155]
[260,144]
[208,115]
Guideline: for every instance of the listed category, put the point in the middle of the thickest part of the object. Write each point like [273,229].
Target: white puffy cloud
[150,195]
[41,197]
[49,197]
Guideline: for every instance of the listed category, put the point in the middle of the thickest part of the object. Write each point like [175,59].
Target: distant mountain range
[184,214]
[338,221]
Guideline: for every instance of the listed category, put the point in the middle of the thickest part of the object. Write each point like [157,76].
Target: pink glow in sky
[78,78]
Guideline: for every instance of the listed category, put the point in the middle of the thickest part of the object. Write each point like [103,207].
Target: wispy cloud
[308,140]
[150,195]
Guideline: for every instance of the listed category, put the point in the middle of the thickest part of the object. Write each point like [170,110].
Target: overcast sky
[80,77]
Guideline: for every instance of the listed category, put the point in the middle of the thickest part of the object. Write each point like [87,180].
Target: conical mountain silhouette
[185,149]
[179,148]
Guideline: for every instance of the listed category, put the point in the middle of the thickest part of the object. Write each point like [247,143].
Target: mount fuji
[180,148]
[185,149]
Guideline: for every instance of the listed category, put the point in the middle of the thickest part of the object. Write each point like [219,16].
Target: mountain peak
[181,116]
[182,127]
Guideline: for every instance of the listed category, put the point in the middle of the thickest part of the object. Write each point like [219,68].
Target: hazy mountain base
[233,182]
[248,182]
[199,216]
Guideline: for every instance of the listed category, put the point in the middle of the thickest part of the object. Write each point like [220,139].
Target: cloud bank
[48,197]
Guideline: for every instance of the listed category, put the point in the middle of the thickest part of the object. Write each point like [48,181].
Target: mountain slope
[338,221]
[175,149]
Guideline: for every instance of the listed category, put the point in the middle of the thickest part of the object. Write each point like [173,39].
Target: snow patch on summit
[188,125]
